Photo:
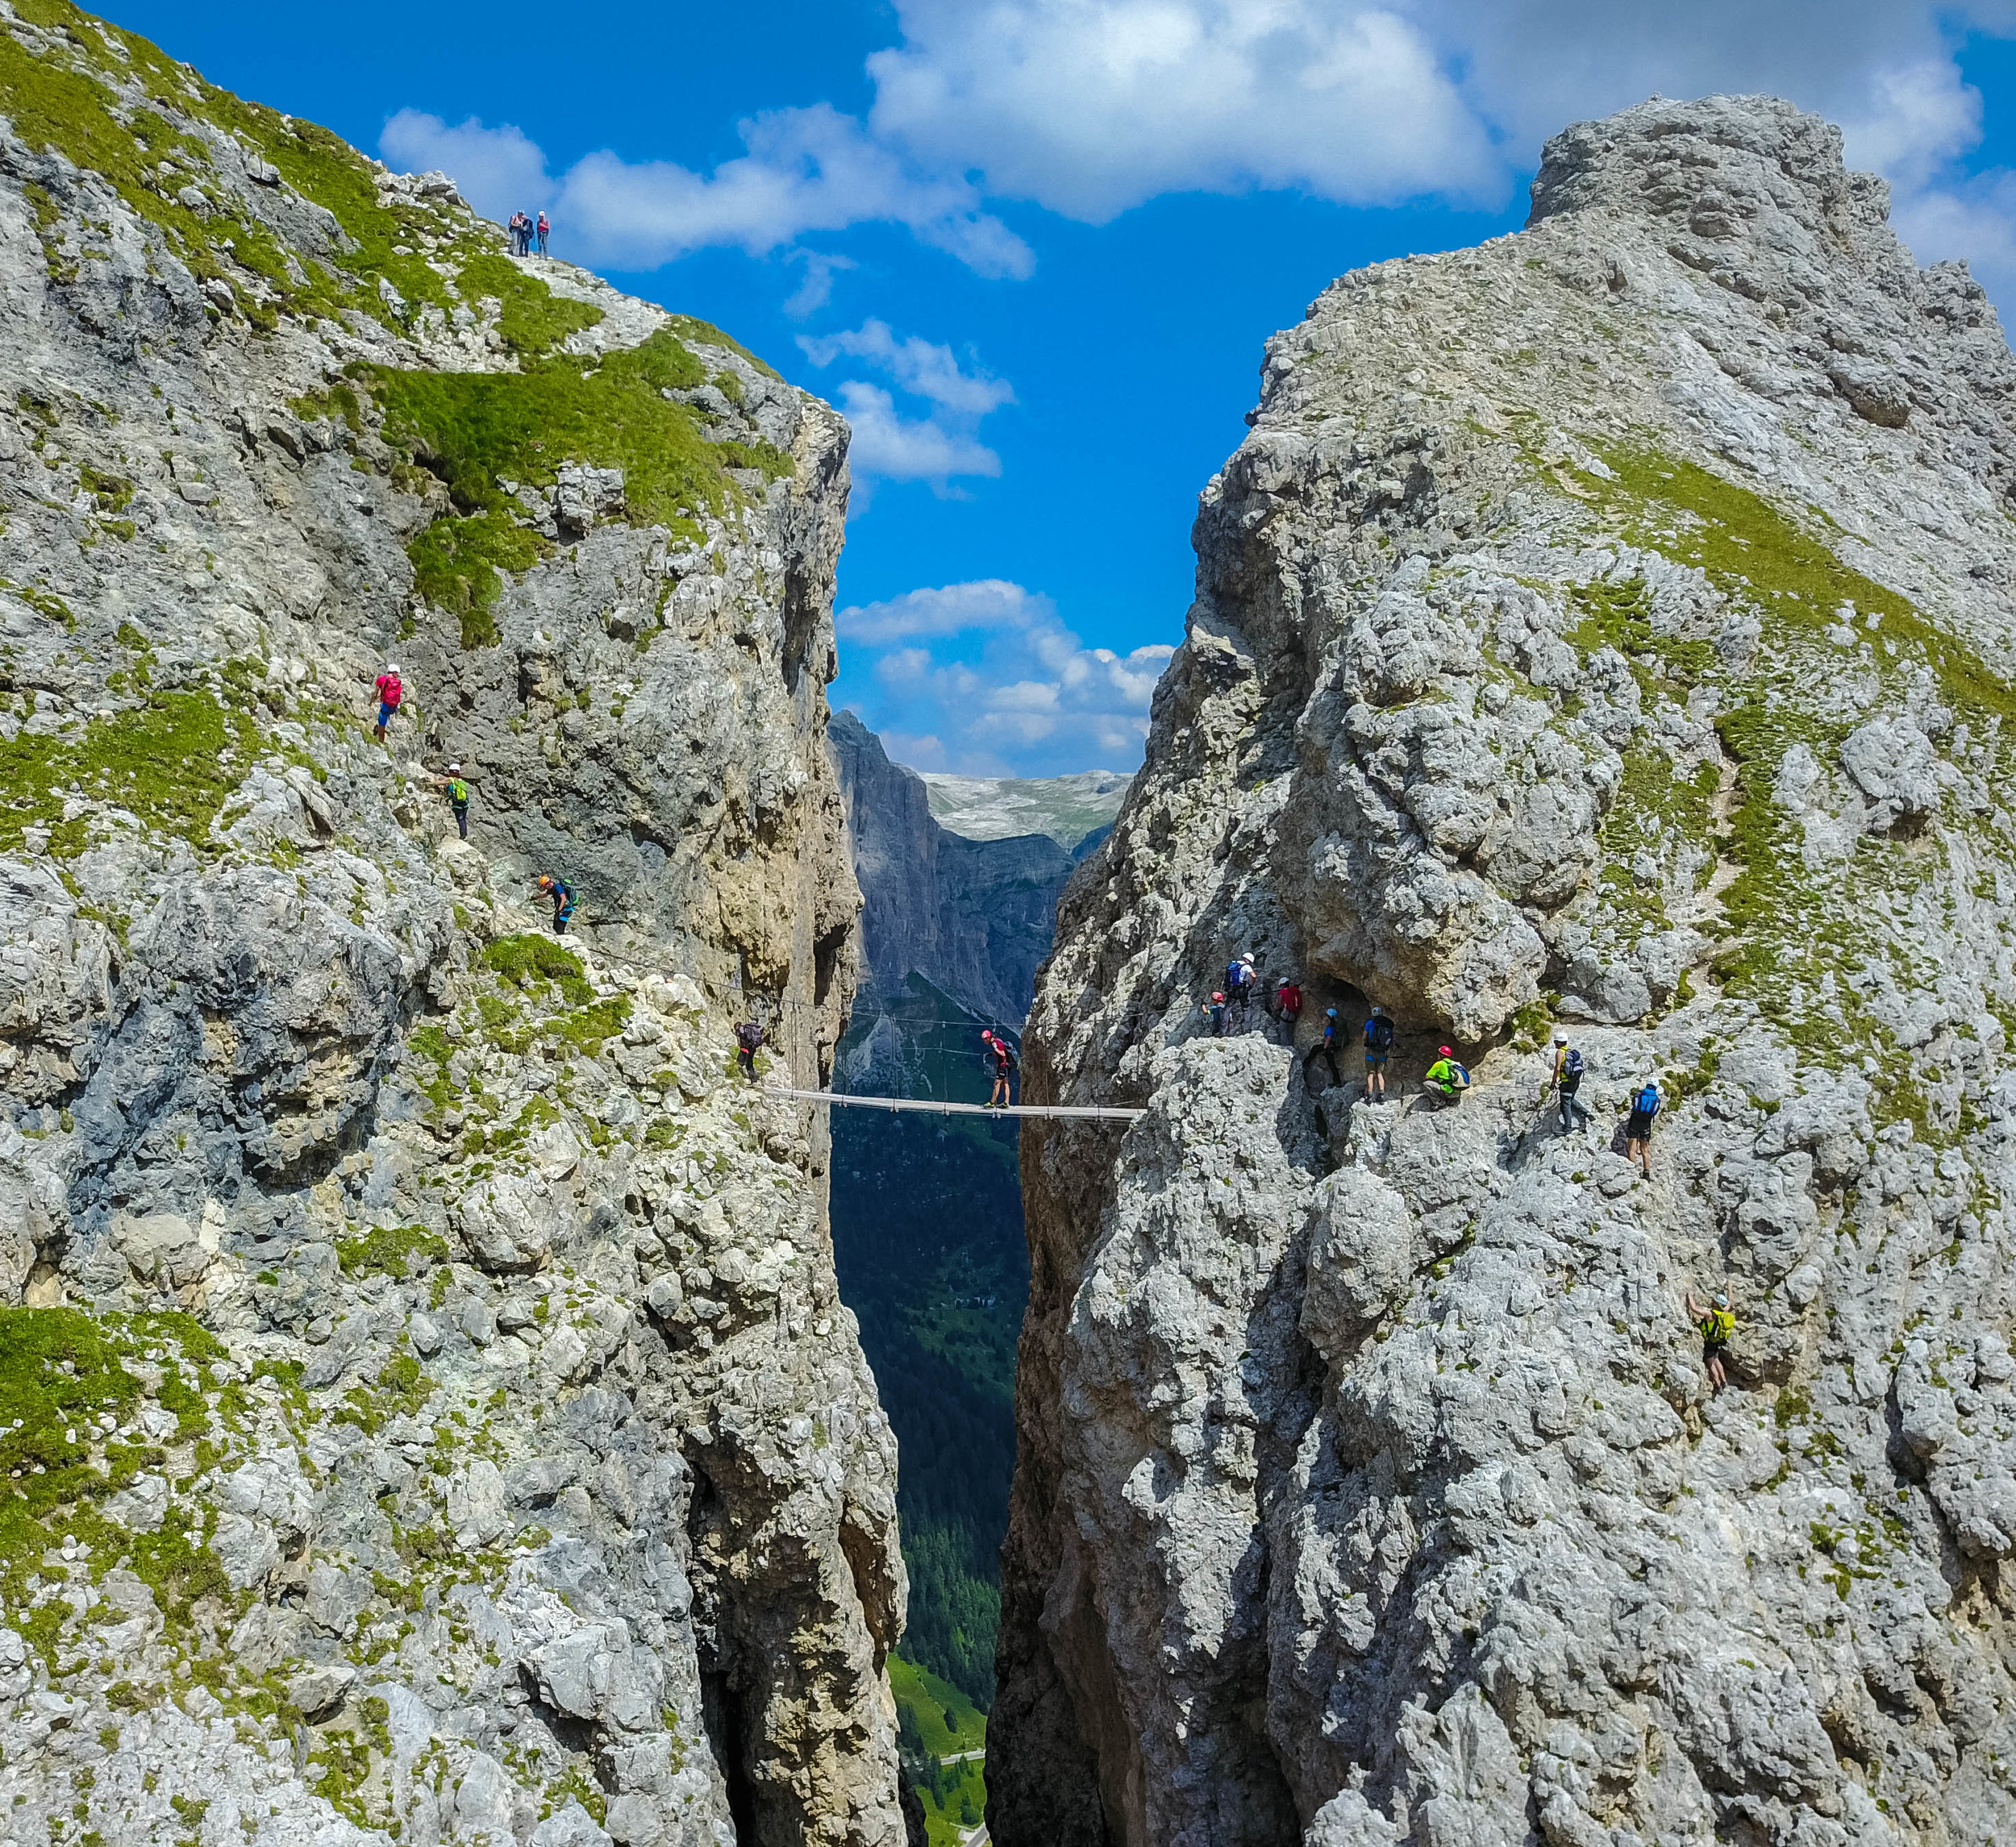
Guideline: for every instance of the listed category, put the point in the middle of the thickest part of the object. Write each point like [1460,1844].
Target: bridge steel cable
[1076,1111]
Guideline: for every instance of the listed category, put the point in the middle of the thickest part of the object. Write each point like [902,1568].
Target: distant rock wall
[1609,627]
[426,1409]
[974,917]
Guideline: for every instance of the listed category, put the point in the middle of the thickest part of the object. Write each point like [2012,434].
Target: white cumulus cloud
[805,170]
[940,446]
[920,367]
[984,678]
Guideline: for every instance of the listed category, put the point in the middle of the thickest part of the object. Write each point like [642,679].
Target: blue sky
[1033,246]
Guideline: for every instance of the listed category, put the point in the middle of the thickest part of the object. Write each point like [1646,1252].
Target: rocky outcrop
[426,1410]
[1606,626]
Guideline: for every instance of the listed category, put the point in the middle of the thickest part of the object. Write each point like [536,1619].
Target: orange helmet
[545,881]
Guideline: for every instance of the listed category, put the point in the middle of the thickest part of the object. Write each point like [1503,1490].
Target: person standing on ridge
[1217,1014]
[544,226]
[563,897]
[386,690]
[1001,1063]
[1325,1048]
[748,1041]
[457,782]
[1378,1051]
[1566,1080]
[1717,1324]
[1638,1126]
[1446,1077]
[1287,1005]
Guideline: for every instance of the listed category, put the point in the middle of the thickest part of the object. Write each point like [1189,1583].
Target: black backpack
[1379,1034]
[749,1037]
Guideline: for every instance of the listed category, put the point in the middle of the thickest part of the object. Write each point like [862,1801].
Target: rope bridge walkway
[1083,1113]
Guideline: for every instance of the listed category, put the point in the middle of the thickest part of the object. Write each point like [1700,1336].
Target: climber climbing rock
[1378,1051]
[1566,1080]
[1325,1048]
[748,1041]
[385,688]
[1638,1126]
[1240,981]
[457,782]
[1287,1007]
[1217,1013]
[563,897]
[1446,1078]
[1001,1064]
[1718,1323]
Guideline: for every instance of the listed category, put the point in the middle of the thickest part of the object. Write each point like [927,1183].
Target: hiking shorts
[386,713]
[1714,1350]
[1374,1060]
[1639,1128]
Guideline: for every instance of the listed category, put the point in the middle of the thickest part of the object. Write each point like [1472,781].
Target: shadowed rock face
[428,1411]
[1604,627]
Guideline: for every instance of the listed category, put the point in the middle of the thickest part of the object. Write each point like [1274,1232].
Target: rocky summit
[1608,628]
[426,1410]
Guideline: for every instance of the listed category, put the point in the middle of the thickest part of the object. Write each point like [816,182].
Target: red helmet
[1217,996]
[986,1032]
[1444,1050]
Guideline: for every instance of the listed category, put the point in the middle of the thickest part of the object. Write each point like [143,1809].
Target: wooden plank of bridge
[1081,1112]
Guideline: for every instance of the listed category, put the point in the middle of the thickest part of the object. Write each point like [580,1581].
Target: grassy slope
[111,102]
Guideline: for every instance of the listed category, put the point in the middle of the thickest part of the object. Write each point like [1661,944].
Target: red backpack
[389,689]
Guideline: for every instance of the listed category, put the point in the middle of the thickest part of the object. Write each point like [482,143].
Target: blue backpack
[1646,1102]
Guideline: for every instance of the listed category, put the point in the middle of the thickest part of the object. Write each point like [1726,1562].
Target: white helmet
[455,769]
[391,667]
[1248,957]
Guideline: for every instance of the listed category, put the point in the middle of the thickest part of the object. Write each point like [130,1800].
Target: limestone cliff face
[973,917]
[1609,626]
[425,1411]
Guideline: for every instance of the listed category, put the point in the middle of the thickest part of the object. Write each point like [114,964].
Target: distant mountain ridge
[1067,808]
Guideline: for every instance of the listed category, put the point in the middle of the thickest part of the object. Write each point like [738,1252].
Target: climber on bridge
[1638,1126]
[1445,1078]
[1001,1062]
[563,897]
[748,1041]
[386,690]
[1718,1324]
[1325,1048]
[1378,1050]
[1565,1081]
[457,783]
[1287,1007]
[1240,981]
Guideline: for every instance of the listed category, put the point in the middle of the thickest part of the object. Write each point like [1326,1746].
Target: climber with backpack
[1717,1322]
[1638,1126]
[1566,1080]
[748,1041]
[1446,1078]
[385,688]
[457,783]
[1239,982]
[563,897]
[1001,1063]
[1215,1011]
[1378,1051]
[1325,1048]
